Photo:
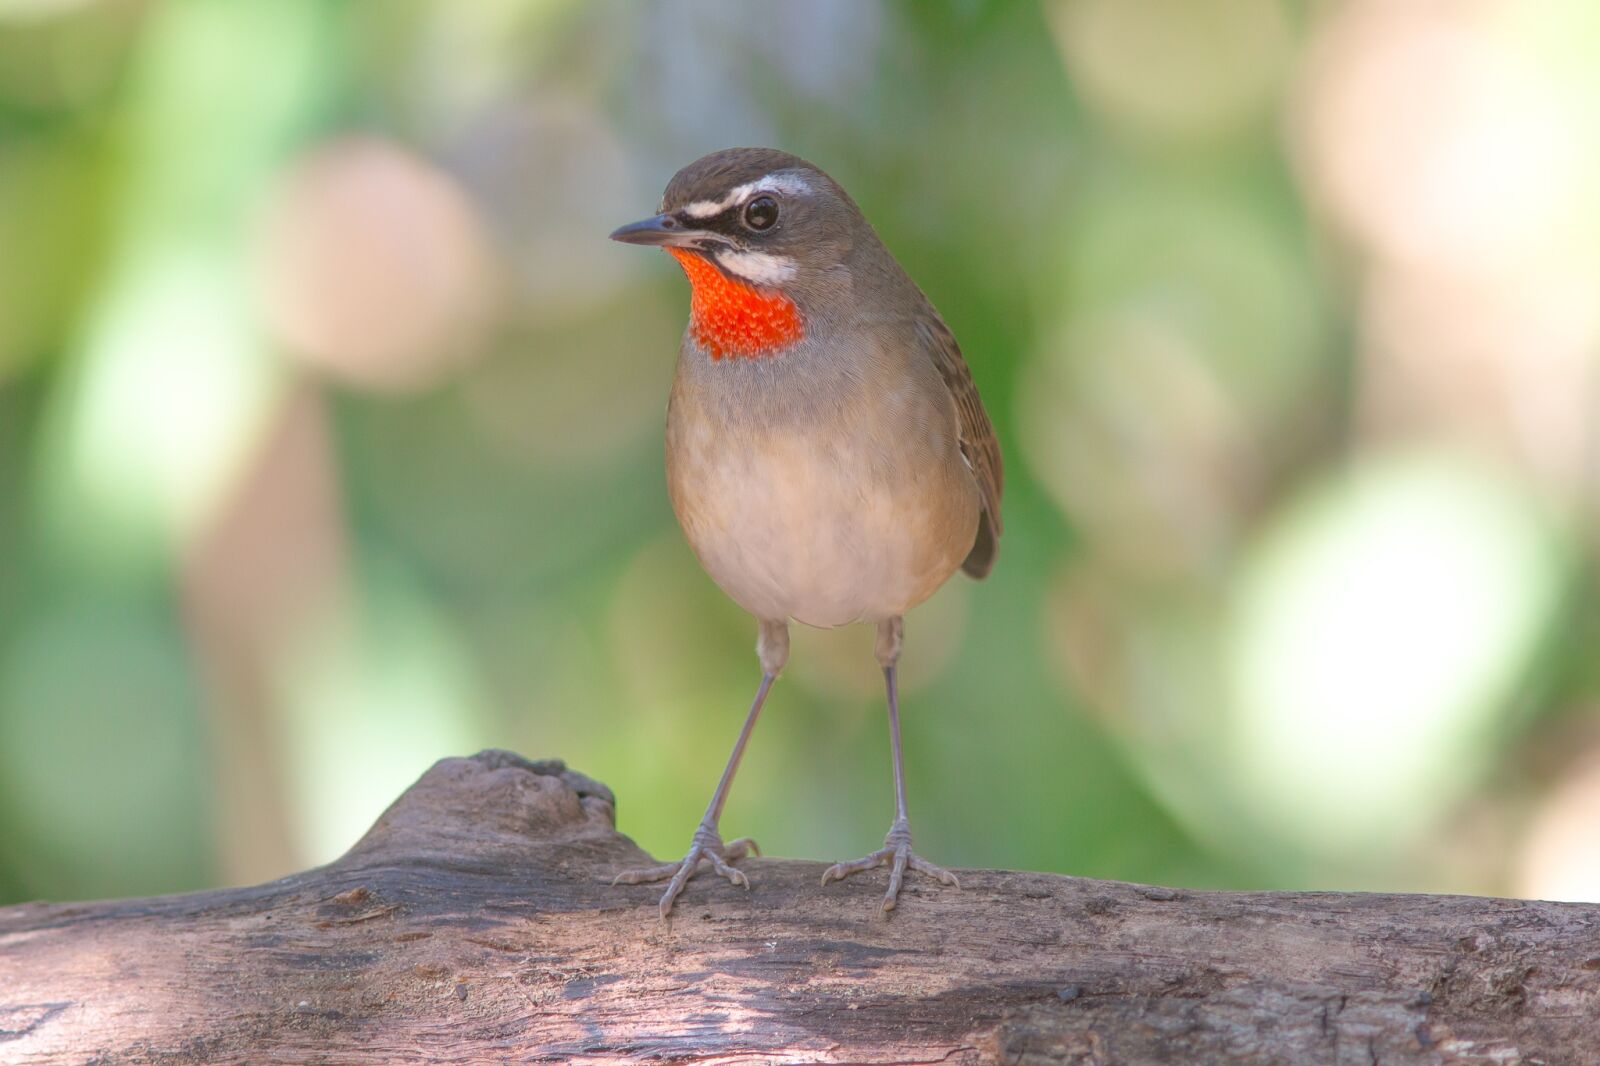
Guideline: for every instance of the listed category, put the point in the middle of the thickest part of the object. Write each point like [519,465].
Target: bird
[827,454]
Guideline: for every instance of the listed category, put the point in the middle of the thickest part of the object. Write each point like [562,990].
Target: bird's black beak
[666,230]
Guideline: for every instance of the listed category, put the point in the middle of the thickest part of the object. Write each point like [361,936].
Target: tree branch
[473,924]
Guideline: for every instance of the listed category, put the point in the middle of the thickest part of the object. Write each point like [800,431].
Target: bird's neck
[731,319]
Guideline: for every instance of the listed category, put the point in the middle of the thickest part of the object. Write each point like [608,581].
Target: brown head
[767,241]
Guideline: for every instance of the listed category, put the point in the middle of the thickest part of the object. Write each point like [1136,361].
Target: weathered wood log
[473,924]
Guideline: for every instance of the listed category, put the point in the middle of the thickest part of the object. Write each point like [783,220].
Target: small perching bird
[827,453]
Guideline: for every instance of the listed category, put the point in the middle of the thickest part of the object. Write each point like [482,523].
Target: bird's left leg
[772,646]
[896,852]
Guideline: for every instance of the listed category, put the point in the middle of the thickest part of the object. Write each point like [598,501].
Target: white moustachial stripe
[758,268]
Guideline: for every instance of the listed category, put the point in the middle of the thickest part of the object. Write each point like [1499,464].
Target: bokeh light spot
[373,267]
[1380,627]
[1184,68]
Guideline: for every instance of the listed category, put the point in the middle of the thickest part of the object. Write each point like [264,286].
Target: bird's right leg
[772,645]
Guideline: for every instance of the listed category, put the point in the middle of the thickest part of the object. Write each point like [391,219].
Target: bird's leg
[896,852]
[773,647]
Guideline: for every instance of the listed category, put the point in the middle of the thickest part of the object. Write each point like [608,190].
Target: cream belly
[853,529]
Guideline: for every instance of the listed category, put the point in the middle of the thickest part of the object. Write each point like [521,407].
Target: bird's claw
[706,846]
[898,856]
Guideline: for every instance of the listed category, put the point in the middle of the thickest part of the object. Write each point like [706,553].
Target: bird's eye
[761,213]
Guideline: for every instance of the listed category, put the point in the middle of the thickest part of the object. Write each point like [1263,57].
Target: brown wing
[978,444]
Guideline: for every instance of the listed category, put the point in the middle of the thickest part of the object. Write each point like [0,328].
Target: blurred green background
[330,430]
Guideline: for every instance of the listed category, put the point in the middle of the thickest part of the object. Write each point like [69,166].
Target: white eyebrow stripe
[758,268]
[703,208]
[785,181]
[790,183]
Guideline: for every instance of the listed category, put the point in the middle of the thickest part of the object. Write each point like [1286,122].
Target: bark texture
[473,924]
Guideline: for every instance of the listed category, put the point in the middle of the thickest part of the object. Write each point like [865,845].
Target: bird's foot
[896,853]
[707,846]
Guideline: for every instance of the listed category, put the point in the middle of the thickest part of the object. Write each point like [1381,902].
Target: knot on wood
[496,798]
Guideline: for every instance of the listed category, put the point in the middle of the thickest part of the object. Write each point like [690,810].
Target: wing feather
[979,446]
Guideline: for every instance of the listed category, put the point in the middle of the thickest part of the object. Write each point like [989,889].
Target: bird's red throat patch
[731,319]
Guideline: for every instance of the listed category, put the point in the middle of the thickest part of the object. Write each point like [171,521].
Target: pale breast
[857,512]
